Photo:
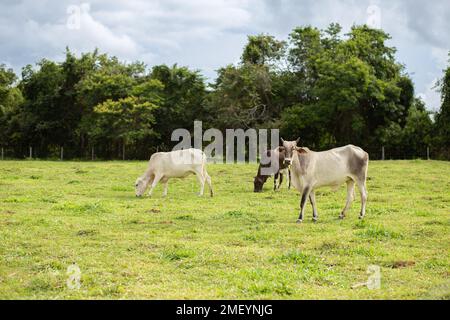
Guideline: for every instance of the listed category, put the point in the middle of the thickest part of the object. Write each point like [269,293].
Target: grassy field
[236,245]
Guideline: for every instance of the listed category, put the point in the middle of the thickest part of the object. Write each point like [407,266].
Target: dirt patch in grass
[87,233]
[186,217]
[153,211]
[164,222]
[401,264]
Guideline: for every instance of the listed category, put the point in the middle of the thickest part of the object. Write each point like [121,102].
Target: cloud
[207,35]
[429,21]
[431,96]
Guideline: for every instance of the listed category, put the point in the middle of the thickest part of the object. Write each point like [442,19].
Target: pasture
[237,245]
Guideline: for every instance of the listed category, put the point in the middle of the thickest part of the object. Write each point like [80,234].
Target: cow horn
[297,141]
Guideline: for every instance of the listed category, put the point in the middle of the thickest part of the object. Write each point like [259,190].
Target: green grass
[237,245]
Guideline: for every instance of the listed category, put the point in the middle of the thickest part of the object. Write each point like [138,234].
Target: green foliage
[263,49]
[10,99]
[326,87]
[418,127]
[7,79]
[97,101]
[184,94]
[353,81]
[127,120]
[243,94]
[443,116]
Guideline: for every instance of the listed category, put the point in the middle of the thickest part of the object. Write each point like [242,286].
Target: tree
[42,123]
[109,79]
[353,84]
[104,79]
[7,79]
[10,100]
[263,49]
[74,71]
[418,129]
[442,124]
[128,121]
[184,95]
[242,96]
[327,87]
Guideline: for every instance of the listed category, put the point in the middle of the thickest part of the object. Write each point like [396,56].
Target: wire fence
[63,153]
[391,153]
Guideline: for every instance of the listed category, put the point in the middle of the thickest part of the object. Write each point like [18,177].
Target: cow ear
[281,148]
[301,150]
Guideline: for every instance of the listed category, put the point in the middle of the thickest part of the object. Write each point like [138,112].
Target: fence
[61,153]
[65,153]
[386,153]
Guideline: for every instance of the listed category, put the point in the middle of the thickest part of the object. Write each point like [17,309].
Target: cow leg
[281,181]
[305,196]
[275,179]
[312,199]
[350,194]
[363,191]
[208,180]
[154,183]
[288,181]
[166,185]
[201,180]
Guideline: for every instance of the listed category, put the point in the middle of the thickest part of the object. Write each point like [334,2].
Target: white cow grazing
[176,164]
[312,170]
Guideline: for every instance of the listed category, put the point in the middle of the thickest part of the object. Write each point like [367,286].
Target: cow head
[258,183]
[140,186]
[289,147]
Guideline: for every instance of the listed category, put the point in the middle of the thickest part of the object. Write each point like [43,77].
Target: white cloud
[441,56]
[431,96]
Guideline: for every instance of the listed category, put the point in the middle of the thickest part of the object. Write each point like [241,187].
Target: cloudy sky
[208,34]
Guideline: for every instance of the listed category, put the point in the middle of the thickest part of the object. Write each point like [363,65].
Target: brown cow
[280,168]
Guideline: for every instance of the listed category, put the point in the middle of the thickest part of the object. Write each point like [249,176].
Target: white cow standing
[176,164]
[311,170]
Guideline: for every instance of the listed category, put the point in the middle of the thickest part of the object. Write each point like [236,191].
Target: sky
[209,34]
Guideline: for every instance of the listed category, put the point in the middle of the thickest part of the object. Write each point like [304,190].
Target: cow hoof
[315,220]
[299,221]
[341,217]
[361,217]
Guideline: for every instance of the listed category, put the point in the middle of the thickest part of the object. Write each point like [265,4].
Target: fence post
[382,153]
[62,153]
[3,153]
[92,154]
[428,153]
[31,152]
[123,151]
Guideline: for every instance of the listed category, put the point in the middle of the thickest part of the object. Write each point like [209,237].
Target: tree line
[324,86]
